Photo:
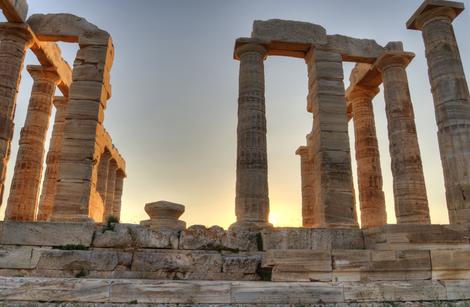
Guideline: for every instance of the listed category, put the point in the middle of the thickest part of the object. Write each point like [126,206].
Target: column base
[251,226]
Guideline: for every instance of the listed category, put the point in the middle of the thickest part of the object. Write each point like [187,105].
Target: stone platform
[121,291]
[91,263]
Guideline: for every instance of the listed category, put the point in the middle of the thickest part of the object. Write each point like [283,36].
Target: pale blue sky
[173,110]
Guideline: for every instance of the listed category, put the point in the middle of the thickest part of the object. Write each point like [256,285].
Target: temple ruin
[61,247]
[85,172]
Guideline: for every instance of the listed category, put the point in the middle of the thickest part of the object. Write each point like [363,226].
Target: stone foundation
[122,263]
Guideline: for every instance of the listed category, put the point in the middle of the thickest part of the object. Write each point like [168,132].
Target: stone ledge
[46,233]
[121,291]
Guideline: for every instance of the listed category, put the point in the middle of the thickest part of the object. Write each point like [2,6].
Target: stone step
[33,261]
[417,236]
[78,290]
[368,265]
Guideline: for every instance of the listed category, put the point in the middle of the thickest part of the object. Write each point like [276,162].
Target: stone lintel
[66,28]
[15,10]
[354,49]
[369,76]
[351,49]
[49,54]
[428,5]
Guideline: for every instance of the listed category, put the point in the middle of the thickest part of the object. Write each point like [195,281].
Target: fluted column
[50,179]
[15,39]
[451,101]
[118,194]
[252,202]
[110,186]
[308,196]
[369,173]
[411,202]
[24,191]
[332,183]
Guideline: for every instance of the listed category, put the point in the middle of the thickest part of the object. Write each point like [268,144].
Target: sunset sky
[173,113]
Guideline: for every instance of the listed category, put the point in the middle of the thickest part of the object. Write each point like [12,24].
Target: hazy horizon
[173,113]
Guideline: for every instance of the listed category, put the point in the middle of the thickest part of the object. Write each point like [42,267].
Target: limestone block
[350,265]
[170,292]
[19,257]
[88,110]
[77,260]
[119,237]
[299,265]
[46,234]
[46,290]
[63,27]
[416,236]
[136,236]
[289,31]
[147,238]
[172,264]
[200,237]
[450,264]
[312,238]
[88,90]
[457,289]
[245,263]
[425,290]
[285,293]
[81,129]
[243,239]
[354,49]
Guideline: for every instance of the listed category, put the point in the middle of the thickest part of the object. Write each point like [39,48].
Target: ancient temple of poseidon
[61,241]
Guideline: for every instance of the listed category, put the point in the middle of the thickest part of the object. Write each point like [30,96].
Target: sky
[173,113]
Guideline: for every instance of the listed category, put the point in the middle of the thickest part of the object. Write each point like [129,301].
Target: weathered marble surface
[312,238]
[219,292]
[46,234]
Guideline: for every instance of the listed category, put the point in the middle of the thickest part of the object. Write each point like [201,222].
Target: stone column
[451,101]
[252,202]
[308,197]
[411,202]
[103,175]
[75,199]
[118,194]
[15,39]
[50,179]
[332,184]
[369,173]
[24,191]
[110,189]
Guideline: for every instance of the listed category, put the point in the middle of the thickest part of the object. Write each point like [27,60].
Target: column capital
[432,10]
[361,92]
[393,59]
[245,45]
[302,151]
[39,72]
[15,31]
[60,102]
